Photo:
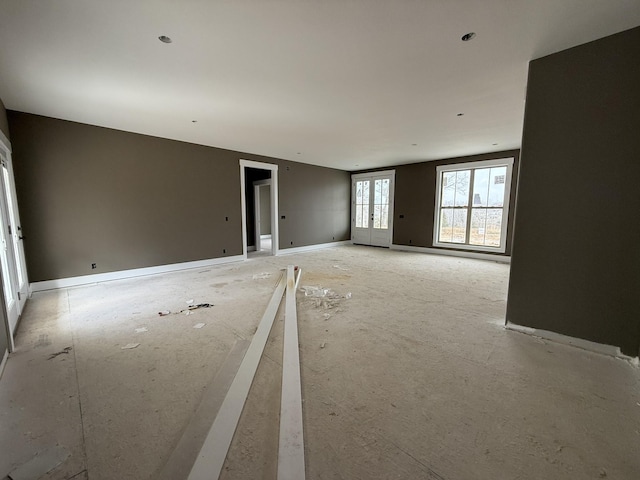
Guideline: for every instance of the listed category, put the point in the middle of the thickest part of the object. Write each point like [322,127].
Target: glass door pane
[12,221]
[381,204]
[9,293]
[362,204]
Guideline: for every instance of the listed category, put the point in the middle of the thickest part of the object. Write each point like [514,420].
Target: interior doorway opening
[262,218]
[259,187]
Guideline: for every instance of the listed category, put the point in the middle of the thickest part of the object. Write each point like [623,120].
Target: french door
[372,208]
[12,260]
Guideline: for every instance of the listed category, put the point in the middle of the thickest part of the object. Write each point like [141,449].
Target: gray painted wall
[575,265]
[4,123]
[121,200]
[415,197]
[4,334]
[314,205]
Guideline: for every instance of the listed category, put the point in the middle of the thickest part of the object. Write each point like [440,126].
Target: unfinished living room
[322,240]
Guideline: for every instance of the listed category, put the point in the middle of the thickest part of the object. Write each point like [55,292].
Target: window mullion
[467,234]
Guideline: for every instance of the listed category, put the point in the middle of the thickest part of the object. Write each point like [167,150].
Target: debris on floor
[327,316]
[261,276]
[196,307]
[129,346]
[323,297]
[323,344]
[164,313]
[317,292]
[54,355]
[340,268]
[141,330]
[189,302]
[199,325]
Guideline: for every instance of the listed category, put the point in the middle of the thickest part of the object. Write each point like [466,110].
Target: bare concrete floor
[413,377]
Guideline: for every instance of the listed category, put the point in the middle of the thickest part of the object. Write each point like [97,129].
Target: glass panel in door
[8,268]
[15,283]
[9,292]
[15,228]
[381,204]
[362,204]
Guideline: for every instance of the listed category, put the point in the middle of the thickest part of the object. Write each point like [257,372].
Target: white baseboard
[3,363]
[309,248]
[453,253]
[601,348]
[122,274]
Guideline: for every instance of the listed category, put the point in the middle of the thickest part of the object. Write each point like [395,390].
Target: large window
[472,205]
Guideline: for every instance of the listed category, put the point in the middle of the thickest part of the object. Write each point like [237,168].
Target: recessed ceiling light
[459,114]
[494,144]
[194,121]
[164,39]
[414,144]
[468,36]
[298,153]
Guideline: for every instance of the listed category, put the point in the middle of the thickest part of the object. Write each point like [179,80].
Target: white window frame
[498,162]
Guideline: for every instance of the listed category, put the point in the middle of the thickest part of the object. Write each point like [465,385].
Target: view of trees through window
[380,204]
[471,206]
[362,204]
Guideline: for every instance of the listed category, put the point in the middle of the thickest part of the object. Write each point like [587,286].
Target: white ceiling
[351,84]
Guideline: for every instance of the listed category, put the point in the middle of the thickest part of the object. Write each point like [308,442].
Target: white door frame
[391,174]
[16,234]
[256,201]
[274,203]
[21,291]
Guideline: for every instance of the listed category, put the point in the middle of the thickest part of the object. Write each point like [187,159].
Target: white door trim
[374,174]
[16,234]
[392,188]
[21,291]
[274,203]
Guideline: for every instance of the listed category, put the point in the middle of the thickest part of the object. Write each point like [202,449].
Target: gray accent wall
[314,206]
[575,265]
[415,199]
[4,123]
[122,200]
